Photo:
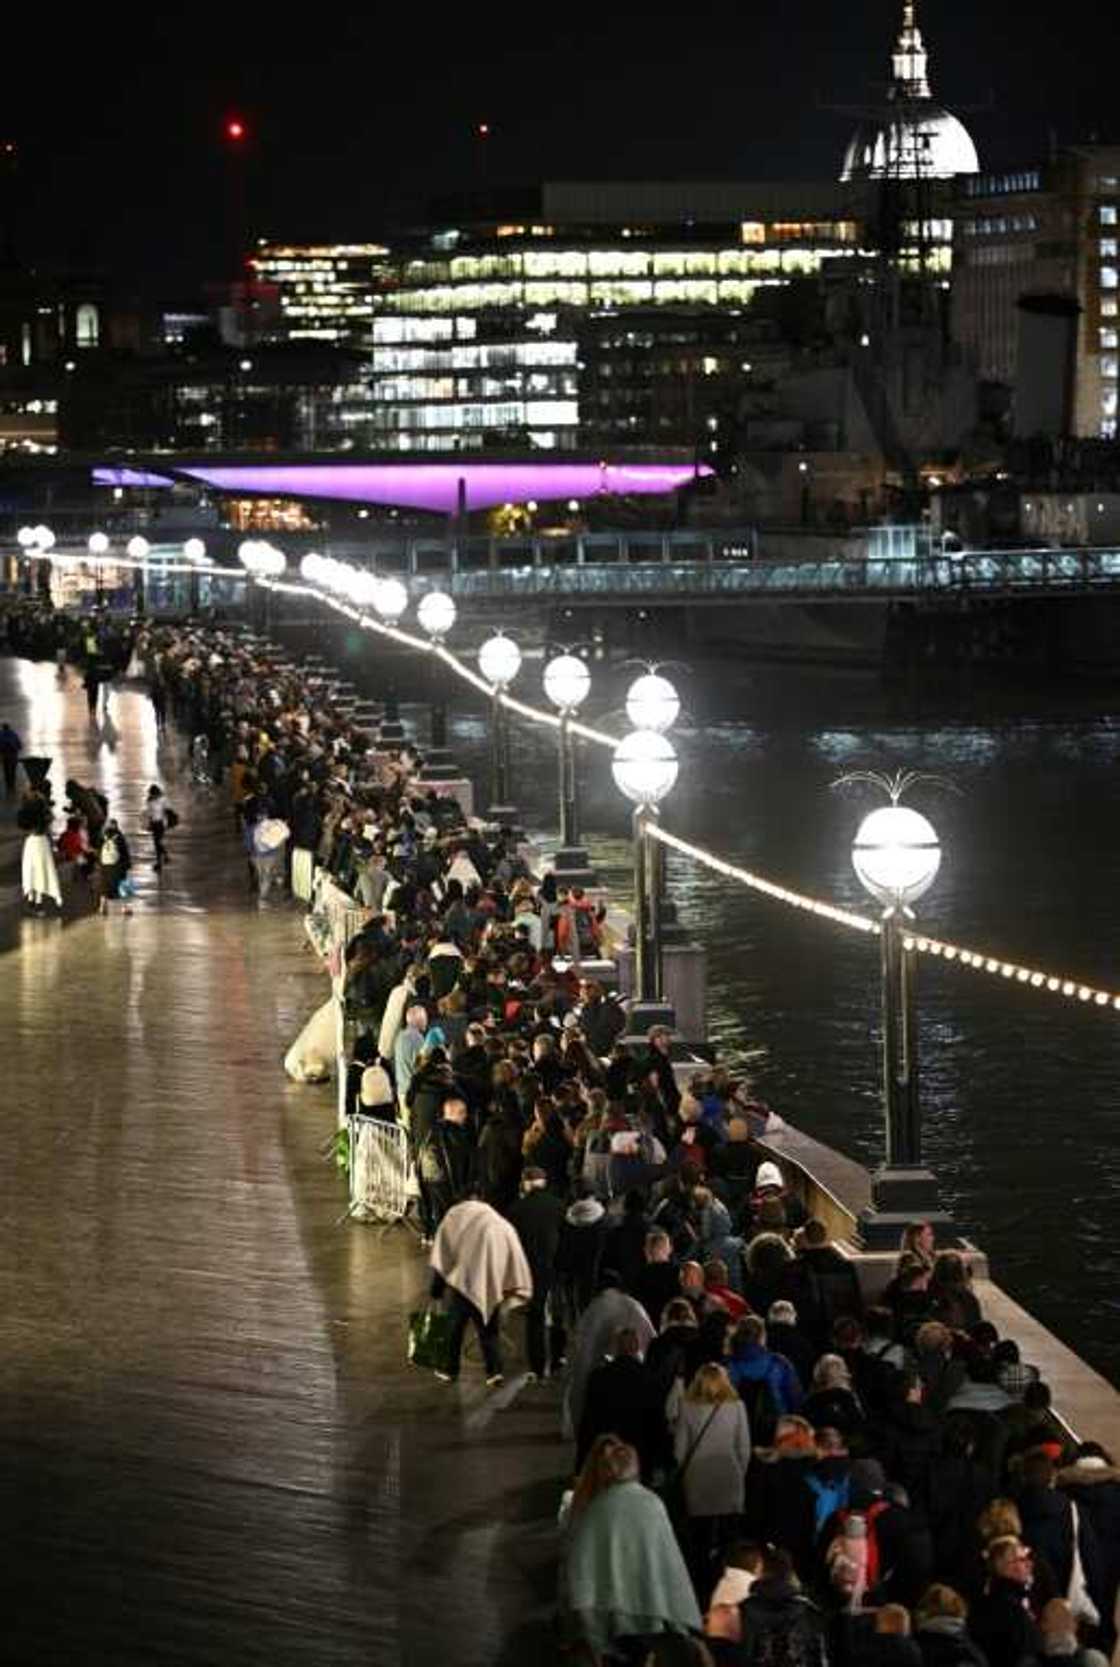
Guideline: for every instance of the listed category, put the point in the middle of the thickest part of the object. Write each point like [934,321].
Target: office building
[482,338]
[1035,287]
[324,291]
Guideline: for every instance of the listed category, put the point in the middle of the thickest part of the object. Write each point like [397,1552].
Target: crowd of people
[767,1469]
[81,839]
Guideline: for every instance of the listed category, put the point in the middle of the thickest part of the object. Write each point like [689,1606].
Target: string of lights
[975,960]
[951,954]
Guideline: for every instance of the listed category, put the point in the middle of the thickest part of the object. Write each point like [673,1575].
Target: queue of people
[79,840]
[766,1470]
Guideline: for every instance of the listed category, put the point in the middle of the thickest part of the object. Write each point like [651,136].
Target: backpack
[585,932]
[828,1497]
[763,1410]
[875,1569]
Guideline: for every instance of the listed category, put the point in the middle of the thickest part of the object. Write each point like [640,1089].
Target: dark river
[1019,1088]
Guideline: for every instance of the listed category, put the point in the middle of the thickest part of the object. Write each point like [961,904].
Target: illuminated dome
[914,137]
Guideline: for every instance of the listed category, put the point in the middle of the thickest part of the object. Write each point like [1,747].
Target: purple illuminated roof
[129,477]
[435,486]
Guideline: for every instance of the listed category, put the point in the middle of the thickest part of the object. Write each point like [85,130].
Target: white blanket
[40,876]
[479,1254]
[311,1057]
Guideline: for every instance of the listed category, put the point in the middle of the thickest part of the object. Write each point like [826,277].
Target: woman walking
[38,872]
[712,1449]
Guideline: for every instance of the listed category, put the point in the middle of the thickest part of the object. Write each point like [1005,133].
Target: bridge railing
[981,573]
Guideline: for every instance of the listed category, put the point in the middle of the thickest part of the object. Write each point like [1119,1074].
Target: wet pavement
[211,1448]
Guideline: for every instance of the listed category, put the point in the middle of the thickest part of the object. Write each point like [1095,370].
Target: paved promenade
[211,1450]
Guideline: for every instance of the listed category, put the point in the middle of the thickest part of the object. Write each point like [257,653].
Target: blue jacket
[752,1363]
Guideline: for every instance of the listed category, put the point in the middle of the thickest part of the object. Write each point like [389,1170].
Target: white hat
[769,1175]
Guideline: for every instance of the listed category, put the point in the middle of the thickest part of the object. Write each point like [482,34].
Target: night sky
[119,118]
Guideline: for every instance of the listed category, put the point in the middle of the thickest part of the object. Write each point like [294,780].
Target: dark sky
[119,116]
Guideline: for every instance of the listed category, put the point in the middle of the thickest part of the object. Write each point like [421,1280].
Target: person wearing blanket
[477,1257]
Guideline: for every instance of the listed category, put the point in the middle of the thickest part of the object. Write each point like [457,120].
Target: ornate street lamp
[499,661]
[896,855]
[567,683]
[645,768]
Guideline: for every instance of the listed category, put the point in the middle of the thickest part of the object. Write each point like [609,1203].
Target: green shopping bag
[429,1331]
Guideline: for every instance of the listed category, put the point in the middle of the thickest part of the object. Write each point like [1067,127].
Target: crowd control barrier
[381,1180]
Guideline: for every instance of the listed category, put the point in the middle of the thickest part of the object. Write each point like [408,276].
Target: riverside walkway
[211,1449]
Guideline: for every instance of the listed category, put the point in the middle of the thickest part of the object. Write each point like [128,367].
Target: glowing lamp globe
[248,553]
[652,703]
[391,599]
[273,562]
[896,854]
[644,766]
[25,538]
[436,613]
[97,543]
[310,567]
[364,587]
[567,682]
[194,549]
[138,547]
[44,537]
[499,661]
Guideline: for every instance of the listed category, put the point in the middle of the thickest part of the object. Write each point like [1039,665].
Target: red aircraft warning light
[235,128]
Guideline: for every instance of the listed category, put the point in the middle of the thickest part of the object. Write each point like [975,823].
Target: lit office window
[1108,214]
[1108,248]
[1109,337]
[1108,366]
[1108,277]
[87,325]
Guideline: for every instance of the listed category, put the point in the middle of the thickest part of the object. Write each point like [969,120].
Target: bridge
[700,582]
[624,569]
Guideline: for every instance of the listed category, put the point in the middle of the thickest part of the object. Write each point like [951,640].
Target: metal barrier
[381,1179]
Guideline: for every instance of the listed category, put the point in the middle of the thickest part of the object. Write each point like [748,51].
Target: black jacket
[778,1624]
[447,1161]
[499,1158]
[539,1220]
[1002,1626]
[624,1398]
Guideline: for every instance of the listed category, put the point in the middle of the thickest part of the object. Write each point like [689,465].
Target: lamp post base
[439,765]
[642,1015]
[506,816]
[572,867]
[902,1196]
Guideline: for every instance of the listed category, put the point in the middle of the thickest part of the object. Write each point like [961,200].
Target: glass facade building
[482,335]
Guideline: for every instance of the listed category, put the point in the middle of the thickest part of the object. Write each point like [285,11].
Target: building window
[1108,307]
[1108,366]
[1109,338]
[1108,277]
[87,325]
[1108,214]
[1108,248]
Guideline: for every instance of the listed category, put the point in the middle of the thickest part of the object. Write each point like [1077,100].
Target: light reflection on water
[1019,1089]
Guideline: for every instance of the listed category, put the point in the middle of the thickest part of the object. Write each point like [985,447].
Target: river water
[1019,1088]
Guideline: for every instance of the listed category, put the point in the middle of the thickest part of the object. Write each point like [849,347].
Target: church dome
[913,137]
